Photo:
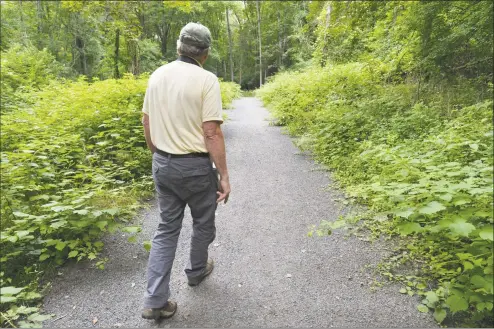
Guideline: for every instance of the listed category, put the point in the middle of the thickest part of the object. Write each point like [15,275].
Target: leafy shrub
[229,92]
[25,69]
[423,170]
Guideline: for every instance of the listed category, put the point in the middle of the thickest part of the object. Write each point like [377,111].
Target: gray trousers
[180,182]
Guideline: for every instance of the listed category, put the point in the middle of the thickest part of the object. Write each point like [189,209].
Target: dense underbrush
[422,166]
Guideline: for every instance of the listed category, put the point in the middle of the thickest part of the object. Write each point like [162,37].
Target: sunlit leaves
[440,315]
[486,233]
[432,208]
[456,303]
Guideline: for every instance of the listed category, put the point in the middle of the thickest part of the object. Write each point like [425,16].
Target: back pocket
[197,180]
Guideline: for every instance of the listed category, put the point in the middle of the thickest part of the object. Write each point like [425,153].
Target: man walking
[182,118]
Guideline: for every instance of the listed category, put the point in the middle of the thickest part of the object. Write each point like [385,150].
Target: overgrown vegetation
[229,92]
[410,136]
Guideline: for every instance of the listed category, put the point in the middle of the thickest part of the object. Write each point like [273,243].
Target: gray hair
[191,51]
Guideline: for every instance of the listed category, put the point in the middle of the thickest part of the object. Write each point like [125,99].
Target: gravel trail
[268,272]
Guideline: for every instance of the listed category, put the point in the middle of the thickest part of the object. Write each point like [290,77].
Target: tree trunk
[163,32]
[259,41]
[229,44]
[23,25]
[225,74]
[39,14]
[79,43]
[328,15]
[240,75]
[280,50]
[116,73]
[133,51]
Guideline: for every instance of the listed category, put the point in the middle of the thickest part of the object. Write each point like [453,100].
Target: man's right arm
[215,144]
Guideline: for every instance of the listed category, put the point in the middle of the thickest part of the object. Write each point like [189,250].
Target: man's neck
[190,60]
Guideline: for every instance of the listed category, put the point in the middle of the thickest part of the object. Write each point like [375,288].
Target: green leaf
[456,303]
[61,208]
[461,227]
[480,307]
[112,211]
[29,324]
[467,266]
[463,256]
[408,228]
[421,286]
[60,245]
[132,239]
[97,213]
[440,314]
[81,212]
[131,229]
[147,245]
[26,310]
[405,213]
[446,197]
[58,224]
[431,297]
[36,317]
[73,253]
[31,295]
[486,233]
[337,224]
[22,234]
[403,291]
[44,256]
[20,214]
[422,308]
[10,290]
[12,238]
[102,224]
[432,208]
[461,202]
[7,299]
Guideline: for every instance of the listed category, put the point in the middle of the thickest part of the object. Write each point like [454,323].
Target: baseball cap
[195,34]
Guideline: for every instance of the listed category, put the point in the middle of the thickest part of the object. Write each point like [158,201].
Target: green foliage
[25,69]
[229,92]
[423,169]
[73,168]
[429,41]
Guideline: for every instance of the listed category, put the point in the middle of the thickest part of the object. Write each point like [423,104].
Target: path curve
[268,272]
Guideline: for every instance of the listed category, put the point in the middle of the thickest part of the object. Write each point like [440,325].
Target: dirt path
[268,272]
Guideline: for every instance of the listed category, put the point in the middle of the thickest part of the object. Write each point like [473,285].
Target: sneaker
[160,313]
[198,279]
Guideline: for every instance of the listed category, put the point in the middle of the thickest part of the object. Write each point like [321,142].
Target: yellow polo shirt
[179,98]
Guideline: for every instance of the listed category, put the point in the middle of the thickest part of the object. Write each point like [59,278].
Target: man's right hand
[224,191]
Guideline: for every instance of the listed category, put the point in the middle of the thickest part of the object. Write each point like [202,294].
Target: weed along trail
[268,272]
